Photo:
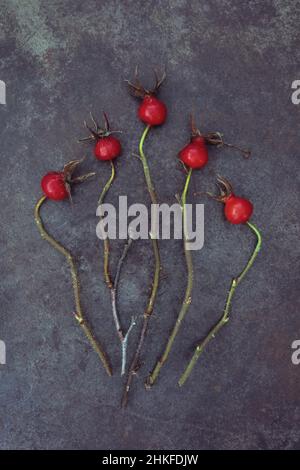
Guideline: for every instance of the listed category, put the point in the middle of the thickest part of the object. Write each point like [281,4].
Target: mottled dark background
[233,62]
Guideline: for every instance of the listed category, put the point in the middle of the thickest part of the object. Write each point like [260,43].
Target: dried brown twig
[113,284]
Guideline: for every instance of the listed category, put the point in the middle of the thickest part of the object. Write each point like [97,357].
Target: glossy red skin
[195,154]
[152,111]
[53,186]
[107,148]
[238,210]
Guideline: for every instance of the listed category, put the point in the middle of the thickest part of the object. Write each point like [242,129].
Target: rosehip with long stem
[153,112]
[194,156]
[237,211]
[57,186]
[107,148]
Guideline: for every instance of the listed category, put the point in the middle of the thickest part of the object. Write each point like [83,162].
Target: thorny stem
[113,285]
[225,317]
[188,292]
[75,283]
[135,364]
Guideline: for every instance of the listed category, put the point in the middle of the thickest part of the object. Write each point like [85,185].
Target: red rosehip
[107,148]
[54,186]
[238,210]
[195,155]
[152,111]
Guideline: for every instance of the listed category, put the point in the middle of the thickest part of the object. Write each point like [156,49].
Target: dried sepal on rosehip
[151,111]
[107,146]
[215,138]
[195,155]
[56,185]
[237,210]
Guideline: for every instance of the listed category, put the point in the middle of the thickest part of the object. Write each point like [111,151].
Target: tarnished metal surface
[233,63]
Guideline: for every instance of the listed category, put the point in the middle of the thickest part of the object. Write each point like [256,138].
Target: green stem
[75,283]
[225,317]
[254,254]
[106,250]
[149,308]
[188,292]
[108,183]
[148,179]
